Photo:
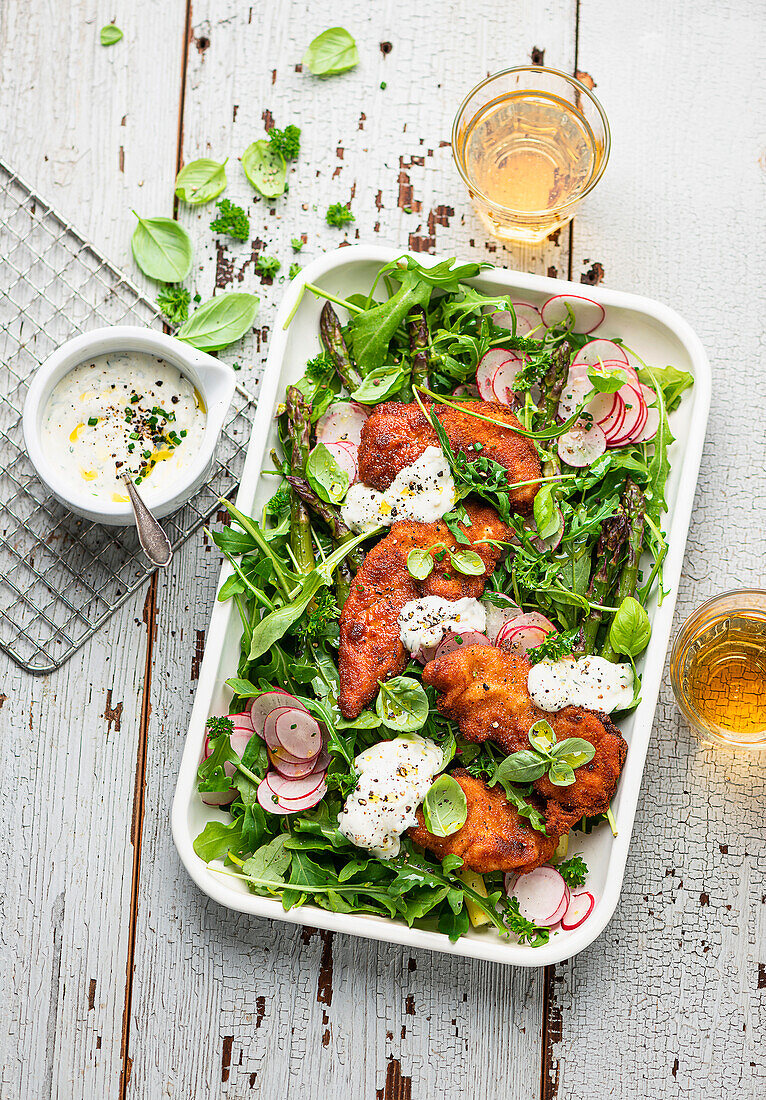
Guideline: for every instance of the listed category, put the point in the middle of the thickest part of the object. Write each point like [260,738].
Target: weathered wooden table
[118,978]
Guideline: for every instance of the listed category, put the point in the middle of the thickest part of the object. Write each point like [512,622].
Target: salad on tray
[442,604]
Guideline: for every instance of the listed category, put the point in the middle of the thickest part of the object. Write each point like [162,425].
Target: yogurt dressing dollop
[422,491]
[590,682]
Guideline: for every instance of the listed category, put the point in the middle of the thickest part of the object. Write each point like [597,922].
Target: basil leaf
[545,512]
[575,751]
[672,381]
[201,181]
[110,34]
[542,736]
[265,168]
[220,322]
[162,249]
[468,562]
[419,563]
[402,704]
[325,476]
[561,775]
[630,630]
[379,384]
[217,838]
[445,807]
[520,767]
[331,52]
[608,379]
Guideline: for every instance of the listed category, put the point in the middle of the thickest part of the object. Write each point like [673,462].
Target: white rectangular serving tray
[660,337]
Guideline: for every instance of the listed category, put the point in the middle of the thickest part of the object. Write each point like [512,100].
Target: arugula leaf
[265,169]
[444,275]
[201,181]
[162,249]
[545,513]
[659,466]
[371,332]
[220,322]
[331,52]
[218,838]
[672,381]
[269,862]
[607,379]
[445,807]
[402,704]
[325,476]
[630,629]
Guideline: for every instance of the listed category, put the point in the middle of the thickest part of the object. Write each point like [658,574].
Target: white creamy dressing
[394,777]
[424,622]
[123,411]
[422,491]
[589,682]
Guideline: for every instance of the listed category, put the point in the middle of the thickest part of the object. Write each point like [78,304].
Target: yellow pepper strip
[475,882]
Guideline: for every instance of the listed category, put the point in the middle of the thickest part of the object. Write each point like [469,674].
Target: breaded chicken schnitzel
[370,646]
[395,435]
[484,689]
[494,837]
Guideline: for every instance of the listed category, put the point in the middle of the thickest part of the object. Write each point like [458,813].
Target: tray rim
[491,948]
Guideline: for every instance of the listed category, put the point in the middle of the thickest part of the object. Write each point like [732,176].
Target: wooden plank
[256,1005]
[669,1002]
[74,119]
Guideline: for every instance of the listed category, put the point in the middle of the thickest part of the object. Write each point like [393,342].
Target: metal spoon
[154,542]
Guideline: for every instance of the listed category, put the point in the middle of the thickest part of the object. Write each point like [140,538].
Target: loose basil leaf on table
[265,168]
[331,52]
[419,563]
[162,249]
[325,476]
[110,34]
[468,562]
[220,322]
[630,630]
[201,181]
[402,704]
[445,807]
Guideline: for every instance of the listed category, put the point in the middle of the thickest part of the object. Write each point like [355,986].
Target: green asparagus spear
[551,387]
[420,340]
[328,513]
[614,532]
[634,506]
[331,334]
[299,417]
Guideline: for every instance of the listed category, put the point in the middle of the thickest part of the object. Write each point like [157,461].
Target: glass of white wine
[530,144]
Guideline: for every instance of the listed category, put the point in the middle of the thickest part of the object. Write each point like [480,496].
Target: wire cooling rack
[61,577]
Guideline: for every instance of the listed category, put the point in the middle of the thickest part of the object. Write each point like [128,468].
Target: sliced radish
[341,423]
[241,721]
[218,798]
[270,730]
[450,642]
[295,805]
[281,755]
[540,893]
[651,426]
[581,445]
[634,416]
[510,878]
[525,632]
[502,383]
[497,617]
[270,700]
[291,770]
[345,454]
[579,909]
[556,917]
[239,740]
[600,350]
[298,733]
[608,411]
[527,318]
[292,790]
[485,371]
[575,391]
[268,799]
[467,390]
[587,313]
[650,397]
[322,760]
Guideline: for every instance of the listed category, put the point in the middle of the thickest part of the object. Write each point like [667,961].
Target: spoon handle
[154,542]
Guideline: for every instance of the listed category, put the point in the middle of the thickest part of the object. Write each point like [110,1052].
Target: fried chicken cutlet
[370,646]
[395,435]
[494,836]
[484,689]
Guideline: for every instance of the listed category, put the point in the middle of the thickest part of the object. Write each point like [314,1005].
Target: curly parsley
[267,266]
[231,220]
[526,930]
[338,215]
[287,141]
[574,871]
[174,302]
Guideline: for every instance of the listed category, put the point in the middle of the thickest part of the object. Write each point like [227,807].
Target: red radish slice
[521,641]
[651,426]
[218,798]
[295,805]
[608,411]
[293,771]
[345,455]
[270,700]
[279,755]
[485,371]
[239,740]
[556,917]
[527,318]
[241,721]
[579,909]
[289,790]
[269,800]
[451,642]
[539,894]
[503,379]
[510,878]
[322,760]
[581,445]
[587,313]
[342,422]
[650,397]
[575,391]
[298,733]
[497,617]
[633,416]
[270,729]
[600,351]
[468,390]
